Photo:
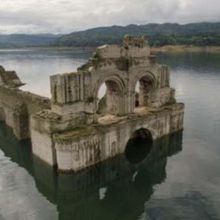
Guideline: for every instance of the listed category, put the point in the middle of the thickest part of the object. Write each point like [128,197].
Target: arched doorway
[139,146]
[143,88]
[110,97]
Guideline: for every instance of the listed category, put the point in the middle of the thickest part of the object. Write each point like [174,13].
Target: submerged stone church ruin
[75,129]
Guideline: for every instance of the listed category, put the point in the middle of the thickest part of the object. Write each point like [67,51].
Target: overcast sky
[63,16]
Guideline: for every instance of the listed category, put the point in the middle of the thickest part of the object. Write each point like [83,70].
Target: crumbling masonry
[75,129]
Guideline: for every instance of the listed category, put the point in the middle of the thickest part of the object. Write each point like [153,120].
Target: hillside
[198,34]
[25,40]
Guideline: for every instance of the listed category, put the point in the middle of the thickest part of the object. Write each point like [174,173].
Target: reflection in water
[19,197]
[115,189]
[191,189]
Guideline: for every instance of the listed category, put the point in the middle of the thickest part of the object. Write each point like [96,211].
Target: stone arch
[139,145]
[114,100]
[2,114]
[147,84]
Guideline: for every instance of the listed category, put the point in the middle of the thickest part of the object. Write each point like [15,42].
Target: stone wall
[9,78]
[17,105]
[70,131]
[120,68]
[75,133]
[85,147]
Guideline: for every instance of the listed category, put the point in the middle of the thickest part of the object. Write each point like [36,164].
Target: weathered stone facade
[76,133]
[16,106]
[75,129]
[120,68]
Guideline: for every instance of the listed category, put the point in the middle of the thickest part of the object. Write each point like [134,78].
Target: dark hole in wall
[139,146]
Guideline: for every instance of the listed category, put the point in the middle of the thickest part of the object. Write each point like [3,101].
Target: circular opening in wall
[139,146]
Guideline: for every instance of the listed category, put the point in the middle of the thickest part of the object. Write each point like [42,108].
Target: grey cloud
[35,16]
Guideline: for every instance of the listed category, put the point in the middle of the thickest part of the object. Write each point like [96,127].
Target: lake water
[179,179]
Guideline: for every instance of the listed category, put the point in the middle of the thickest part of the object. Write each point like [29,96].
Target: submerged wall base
[79,148]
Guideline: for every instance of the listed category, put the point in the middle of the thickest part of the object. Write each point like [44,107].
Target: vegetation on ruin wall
[73,134]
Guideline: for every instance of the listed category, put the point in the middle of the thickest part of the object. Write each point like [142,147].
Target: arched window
[143,89]
[102,99]
[2,114]
[110,98]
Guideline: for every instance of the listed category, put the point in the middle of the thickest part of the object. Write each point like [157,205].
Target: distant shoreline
[154,50]
[185,48]
[46,48]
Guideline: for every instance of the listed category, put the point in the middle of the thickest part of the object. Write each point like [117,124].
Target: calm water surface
[35,66]
[179,179]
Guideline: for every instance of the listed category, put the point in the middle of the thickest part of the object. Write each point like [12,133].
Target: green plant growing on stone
[123,63]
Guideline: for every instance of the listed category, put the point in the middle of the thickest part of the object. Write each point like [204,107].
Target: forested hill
[26,40]
[199,34]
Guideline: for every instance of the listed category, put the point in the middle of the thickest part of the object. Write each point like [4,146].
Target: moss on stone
[123,63]
[77,132]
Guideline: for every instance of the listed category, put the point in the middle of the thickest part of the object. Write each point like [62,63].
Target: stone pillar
[42,141]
